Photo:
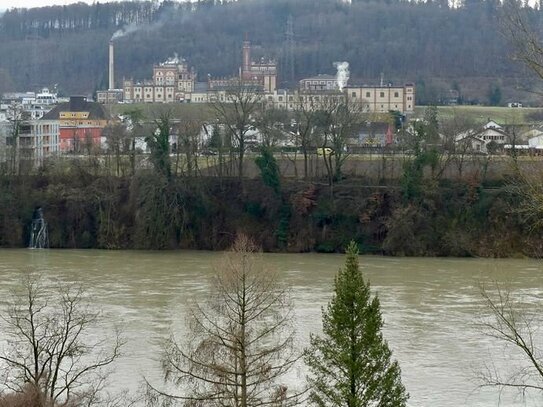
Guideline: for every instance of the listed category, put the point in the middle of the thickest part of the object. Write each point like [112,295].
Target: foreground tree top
[350,363]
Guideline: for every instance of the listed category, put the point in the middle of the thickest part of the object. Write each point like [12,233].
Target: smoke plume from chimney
[342,75]
[127,30]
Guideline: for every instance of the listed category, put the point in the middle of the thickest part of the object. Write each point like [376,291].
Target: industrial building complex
[173,81]
[38,125]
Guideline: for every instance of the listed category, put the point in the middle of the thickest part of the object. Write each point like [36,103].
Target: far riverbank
[467,219]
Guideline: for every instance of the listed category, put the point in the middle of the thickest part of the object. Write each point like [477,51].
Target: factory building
[372,99]
[382,99]
[172,81]
[262,73]
[320,82]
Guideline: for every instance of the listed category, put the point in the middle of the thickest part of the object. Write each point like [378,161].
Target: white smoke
[173,60]
[129,29]
[342,75]
[166,14]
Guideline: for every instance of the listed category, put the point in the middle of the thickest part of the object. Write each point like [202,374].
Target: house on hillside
[491,132]
[532,133]
[471,142]
[536,141]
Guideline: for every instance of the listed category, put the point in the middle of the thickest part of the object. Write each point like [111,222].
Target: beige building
[109,96]
[320,82]
[381,99]
[378,99]
[172,81]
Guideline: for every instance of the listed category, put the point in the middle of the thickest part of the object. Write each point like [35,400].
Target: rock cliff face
[143,212]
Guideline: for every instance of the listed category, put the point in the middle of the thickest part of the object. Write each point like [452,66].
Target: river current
[431,308]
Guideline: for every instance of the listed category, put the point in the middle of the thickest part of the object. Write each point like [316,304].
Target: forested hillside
[438,47]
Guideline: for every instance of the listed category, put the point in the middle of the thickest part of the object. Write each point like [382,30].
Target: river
[430,306]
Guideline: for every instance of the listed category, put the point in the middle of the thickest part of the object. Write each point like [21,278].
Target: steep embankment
[85,211]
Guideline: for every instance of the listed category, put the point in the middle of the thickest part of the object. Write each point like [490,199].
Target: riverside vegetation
[146,211]
[427,197]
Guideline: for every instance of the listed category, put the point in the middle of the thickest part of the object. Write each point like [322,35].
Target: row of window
[500,138]
[168,81]
[381,95]
[64,115]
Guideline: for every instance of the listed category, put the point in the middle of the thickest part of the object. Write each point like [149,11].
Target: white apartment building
[38,140]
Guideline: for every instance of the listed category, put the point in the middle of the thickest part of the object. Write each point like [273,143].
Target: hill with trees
[438,47]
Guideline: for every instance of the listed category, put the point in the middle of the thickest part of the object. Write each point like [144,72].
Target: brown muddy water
[431,308]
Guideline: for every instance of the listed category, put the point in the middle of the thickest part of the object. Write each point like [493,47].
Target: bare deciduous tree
[235,111]
[524,38]
[188,142]
[527,188]
[17,119]
[118,144]
[305,118]
[337,122]
[514,326]
[271,124]
[48,349]
[457,142]
[241,341]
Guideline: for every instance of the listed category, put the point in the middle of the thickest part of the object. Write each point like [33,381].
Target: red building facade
[81,124]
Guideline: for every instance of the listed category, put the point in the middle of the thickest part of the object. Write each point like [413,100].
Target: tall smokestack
[246,63]
[111,67]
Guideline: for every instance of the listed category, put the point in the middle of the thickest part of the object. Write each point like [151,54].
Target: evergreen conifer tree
[350,364]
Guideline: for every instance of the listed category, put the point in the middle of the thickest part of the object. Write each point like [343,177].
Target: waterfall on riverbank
[39,238]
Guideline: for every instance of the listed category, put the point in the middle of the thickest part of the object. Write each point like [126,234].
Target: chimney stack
[111,67]
[246,60]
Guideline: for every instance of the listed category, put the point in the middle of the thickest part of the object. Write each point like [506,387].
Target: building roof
[491,124]
[469,135]
[200,87]
[320,77]
[96,110]
[366,86]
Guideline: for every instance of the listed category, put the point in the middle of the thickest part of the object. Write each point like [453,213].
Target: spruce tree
[350,364]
